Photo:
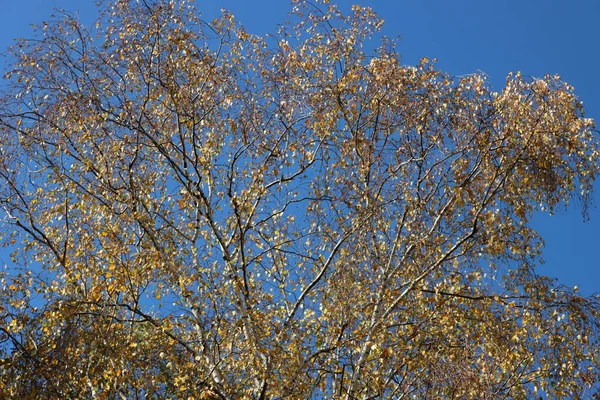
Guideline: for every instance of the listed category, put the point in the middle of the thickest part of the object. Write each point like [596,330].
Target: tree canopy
[198,212]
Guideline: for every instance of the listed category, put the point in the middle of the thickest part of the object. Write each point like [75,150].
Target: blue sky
[535,37]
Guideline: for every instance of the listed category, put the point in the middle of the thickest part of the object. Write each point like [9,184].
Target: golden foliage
[198,212]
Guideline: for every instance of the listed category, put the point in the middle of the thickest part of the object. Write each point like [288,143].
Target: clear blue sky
[535,37]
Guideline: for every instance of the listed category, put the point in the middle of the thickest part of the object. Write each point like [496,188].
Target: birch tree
[197,212]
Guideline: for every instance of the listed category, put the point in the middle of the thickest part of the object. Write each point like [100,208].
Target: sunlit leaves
[204,213]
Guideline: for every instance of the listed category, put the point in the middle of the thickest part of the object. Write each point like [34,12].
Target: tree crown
[199,211]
